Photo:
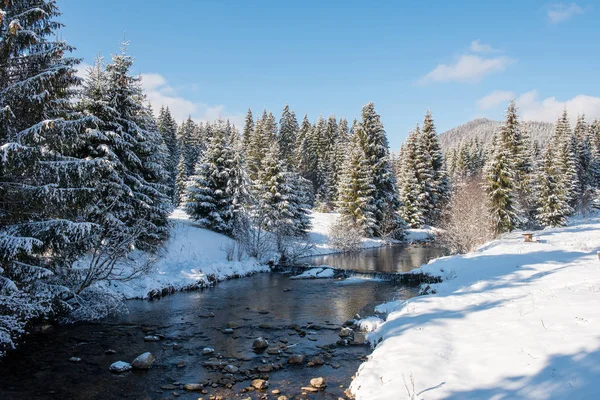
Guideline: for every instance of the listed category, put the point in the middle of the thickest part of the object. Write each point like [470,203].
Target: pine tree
[279,206]
[553,208]
[190,144]
[181,182]
[43,181]
[168,130]
[414,181]
[248,131]
[371,137]
[439,184]
[303,155]
[288,132]
[209,197]
[356,189]
[584,151]
[499,176]
[567,158]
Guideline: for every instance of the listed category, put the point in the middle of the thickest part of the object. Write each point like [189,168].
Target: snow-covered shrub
[466,220]
[94,303]
[344,236]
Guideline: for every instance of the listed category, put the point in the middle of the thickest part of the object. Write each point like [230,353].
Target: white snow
[191,255]
[511,320]
[323,272]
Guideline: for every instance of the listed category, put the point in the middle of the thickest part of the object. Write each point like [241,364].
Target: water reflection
[388,259]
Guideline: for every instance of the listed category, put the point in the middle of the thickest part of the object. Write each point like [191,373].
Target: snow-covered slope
[191,255]
[513,320]
[484,129]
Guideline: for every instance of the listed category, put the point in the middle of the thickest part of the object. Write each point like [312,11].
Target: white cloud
[468,68]
[160,93]
[478,47]
[549,109]
[560,12]
[495,99]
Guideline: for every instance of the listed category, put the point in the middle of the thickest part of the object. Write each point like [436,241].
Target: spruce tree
[168,130]
[190,145]
[43,180]
[356,189]
[303,155]
[499,176]
[248,131]
[567,158]
[209,197]
[181,182]
[372,139]
[288,132]
[439,184]
[553,207]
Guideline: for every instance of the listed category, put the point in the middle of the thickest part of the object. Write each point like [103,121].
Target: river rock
[180,364]
[230,369]
[227,331]
[208,350]
[119,366]
[265,368]
[260,344]
[75,359]
[260,384]
[274,351]
[346,332]
[316,361]
[275,391]
[151,338]
[309,389]
[110,351]
[143,361]
[296,359]
[282,398]
[318,383]
[193,387]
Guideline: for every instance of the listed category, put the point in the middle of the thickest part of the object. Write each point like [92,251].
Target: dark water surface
[260,305]
[386,259]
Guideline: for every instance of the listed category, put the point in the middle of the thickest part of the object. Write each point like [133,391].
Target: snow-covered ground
[191,255]
[513,320]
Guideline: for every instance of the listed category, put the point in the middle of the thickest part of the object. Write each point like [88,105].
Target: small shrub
[345,236]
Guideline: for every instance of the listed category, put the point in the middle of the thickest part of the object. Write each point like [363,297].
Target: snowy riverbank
[194,254]
[512,320]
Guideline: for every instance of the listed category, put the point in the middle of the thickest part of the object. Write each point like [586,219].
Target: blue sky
[211,58]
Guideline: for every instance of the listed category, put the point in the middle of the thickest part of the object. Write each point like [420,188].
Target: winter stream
[296,317]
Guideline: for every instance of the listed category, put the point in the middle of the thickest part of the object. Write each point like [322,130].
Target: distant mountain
[484,129]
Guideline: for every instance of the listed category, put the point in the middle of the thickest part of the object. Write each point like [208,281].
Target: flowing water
[386,259]
[295,316]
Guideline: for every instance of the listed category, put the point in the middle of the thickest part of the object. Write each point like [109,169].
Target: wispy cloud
[468,68]
[478,47]
[495,99]
[559,12]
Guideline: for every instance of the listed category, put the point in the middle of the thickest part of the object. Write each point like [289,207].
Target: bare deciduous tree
[466,220]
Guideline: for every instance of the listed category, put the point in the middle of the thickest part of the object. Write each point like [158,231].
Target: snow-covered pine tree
[191,145]
[248,131]
[209,197]
[168,130]
[440,183]
[553,207]
[288,132]
[567,158]
[413,188]
[371,137]
[499,177]
[265,131]
[356,189]
[279,206]
[516,141]
[584,151]
[339,154]
[44,185]
[180,182]
[303,156]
